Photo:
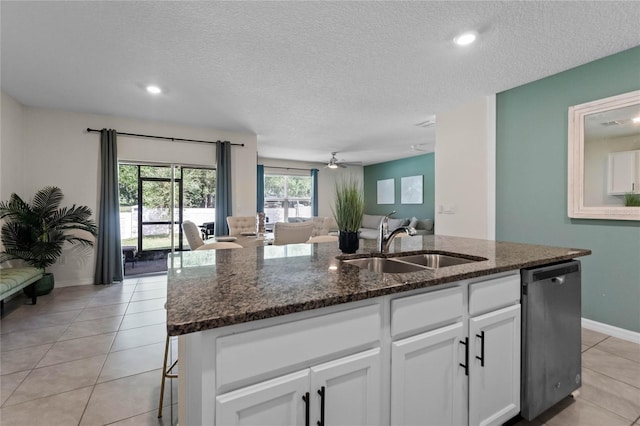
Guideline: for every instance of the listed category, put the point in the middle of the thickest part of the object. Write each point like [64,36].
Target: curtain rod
[90,130]
[286,168]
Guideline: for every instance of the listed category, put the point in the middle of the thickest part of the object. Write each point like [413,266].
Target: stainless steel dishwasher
[551,336]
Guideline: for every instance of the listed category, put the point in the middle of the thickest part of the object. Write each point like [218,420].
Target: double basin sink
[411,262]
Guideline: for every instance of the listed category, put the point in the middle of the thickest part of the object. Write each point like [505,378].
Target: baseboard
[611,330]
[85,281]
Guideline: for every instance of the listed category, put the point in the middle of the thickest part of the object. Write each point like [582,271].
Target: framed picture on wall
[411,190]
[386,191]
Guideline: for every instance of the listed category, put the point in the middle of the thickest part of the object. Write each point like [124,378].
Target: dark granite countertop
[215,288]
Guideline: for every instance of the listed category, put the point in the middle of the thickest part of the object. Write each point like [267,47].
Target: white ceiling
[308,78]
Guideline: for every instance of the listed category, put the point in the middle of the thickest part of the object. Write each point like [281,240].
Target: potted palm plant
[348,211]
[36,232]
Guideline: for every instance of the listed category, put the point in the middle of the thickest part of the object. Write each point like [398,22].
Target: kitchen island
[289,333]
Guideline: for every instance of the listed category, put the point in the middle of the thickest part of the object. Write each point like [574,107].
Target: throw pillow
[413,222]
[371,221]
[425,224]
[397,223]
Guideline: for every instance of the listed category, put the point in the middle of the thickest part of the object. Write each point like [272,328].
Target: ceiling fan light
[333,166]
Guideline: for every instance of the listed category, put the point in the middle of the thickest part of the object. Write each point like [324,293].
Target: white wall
[12,155]
[58,151]
[465,170]
[326,179]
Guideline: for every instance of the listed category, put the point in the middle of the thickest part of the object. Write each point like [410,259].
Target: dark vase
[43,286]
[348,242]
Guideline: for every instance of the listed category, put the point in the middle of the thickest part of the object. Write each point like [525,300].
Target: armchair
[240,224]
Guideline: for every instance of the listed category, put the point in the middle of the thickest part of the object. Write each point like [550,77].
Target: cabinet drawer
[425,311]
[243,357]
[485,296]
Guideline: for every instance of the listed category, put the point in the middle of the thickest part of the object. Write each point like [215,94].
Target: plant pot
[43,286]
[348,242]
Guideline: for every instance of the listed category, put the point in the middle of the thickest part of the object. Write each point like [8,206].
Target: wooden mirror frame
[575,181]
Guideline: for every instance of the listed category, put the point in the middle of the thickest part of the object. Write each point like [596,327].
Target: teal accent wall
[531,190]
[413,166]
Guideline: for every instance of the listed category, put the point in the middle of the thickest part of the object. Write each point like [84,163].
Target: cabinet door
[623,171]
[276,402]
[427,381]
[494,372]
[351,388]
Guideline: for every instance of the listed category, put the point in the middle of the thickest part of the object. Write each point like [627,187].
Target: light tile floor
[87,355]
[92,355]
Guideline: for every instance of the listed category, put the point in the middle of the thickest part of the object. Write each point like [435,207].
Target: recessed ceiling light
[154,89]
[465,38]
[635,120]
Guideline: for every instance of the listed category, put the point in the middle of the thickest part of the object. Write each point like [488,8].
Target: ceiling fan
[334,163]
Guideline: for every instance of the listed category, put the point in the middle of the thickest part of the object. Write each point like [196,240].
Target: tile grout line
[36,364]
[93,388]
[607,375]
[101,368]
[595,403]
[612,378]
[616,354]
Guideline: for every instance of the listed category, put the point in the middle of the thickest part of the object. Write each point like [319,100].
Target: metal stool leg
[166,373]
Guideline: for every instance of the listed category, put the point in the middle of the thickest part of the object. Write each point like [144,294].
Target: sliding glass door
[156,199]
[158,222]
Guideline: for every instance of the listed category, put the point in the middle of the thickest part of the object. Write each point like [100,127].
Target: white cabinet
[394,360]
[427,382]
[624,173]
[275,402]
[341,392]
[466,372]
[494,372]
[351,390]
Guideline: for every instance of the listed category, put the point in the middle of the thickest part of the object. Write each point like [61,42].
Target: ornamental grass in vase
[347,211]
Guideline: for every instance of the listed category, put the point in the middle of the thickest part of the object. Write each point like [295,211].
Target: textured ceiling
[307,77]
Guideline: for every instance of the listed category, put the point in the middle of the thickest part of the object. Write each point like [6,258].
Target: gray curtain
[109,251]
[314,192]
[223,187]
[260,187]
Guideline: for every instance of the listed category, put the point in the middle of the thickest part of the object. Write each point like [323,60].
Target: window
[286,196]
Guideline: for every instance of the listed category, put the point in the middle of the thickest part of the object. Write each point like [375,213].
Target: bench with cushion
[12,280]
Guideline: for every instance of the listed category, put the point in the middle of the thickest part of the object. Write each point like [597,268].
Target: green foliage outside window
[199,186]
[280,186]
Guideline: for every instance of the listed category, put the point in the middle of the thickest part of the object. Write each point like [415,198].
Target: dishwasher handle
[554,272]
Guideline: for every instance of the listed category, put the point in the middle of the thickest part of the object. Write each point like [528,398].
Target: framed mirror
[604,158]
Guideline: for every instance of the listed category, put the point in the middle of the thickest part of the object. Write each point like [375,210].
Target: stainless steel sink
[435,260]
[411,263]
[381,264]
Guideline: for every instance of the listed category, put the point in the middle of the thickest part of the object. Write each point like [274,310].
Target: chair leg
[166,373]
[164,376]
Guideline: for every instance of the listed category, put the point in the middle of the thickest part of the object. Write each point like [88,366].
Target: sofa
[321,225]
[371,225]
